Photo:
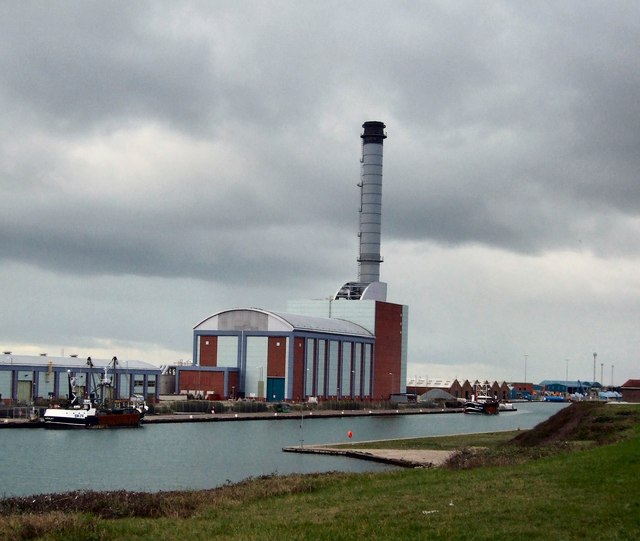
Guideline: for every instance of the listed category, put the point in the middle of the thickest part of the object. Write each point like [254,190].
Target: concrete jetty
[406,458]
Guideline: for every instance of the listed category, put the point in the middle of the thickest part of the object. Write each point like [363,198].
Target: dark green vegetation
[588,493]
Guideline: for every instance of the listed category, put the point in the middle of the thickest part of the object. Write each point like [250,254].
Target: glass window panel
[345,385]
[228,351]
[5,384]
[357,369]
[25,375]
[320,378]
[124,390]
[138,384]
[366,380]
[45,384]
[309,367]
[333,368]
[256,368]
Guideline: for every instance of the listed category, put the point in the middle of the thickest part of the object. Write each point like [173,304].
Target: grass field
[440,443]
[591,493]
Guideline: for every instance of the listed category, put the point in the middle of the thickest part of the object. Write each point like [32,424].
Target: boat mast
[94,388]
[73,399]
[114,385]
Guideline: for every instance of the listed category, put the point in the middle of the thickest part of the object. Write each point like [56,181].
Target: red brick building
[631,390]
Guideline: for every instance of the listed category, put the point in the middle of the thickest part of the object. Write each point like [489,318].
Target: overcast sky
[162,161]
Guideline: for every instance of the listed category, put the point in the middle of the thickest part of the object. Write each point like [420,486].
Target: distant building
[522,390]
[570,387]
[420,386]
[631,390]
[466,390]
[29,379]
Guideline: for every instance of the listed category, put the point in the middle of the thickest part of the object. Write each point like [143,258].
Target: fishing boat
[97,411]
[481,402]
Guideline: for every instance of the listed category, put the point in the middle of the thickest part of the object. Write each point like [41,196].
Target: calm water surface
[206,455]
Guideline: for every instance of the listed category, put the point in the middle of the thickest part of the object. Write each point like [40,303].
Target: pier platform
[397,457]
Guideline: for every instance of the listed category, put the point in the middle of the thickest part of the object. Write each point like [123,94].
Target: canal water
[206,455]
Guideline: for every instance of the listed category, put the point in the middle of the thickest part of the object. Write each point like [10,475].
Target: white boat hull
[89,418]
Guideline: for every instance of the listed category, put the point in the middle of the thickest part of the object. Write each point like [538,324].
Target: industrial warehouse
[37,379]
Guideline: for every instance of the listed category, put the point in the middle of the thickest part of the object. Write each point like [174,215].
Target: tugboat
[481,402]
[98,411]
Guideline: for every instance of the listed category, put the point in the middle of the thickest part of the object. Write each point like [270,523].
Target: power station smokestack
[369,258]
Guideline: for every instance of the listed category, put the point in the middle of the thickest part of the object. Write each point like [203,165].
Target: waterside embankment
[254,416]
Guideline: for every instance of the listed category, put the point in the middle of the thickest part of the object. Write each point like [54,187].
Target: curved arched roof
[322,324]
[265,320]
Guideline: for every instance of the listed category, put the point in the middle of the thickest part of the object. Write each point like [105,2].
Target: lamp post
[594,366]
[601,374]
[391,374]
[612,375]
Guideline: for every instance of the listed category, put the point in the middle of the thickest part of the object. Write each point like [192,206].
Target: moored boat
[486,407]
[481,403]
[98,411]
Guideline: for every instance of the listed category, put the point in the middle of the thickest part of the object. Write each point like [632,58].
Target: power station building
[351,346]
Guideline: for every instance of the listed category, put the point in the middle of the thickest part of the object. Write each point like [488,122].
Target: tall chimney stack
[369,258]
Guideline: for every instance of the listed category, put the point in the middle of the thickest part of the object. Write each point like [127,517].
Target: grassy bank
[489,440]
[591,493]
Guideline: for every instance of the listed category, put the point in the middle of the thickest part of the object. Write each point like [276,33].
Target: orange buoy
[350,434]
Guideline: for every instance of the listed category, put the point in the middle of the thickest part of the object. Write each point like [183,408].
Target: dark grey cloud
[499,109]
[218,143]
[73,67]
[539,138]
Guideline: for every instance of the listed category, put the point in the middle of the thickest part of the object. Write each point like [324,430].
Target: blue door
[275,389]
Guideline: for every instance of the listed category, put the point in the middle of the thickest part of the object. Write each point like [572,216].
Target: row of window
[332,368]
[337,368]
[42,384]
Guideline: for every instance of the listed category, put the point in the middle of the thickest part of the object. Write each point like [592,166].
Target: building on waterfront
[630,390]
[521,390]
[254,353]
[359,353]
[352,345]
[420,386]
[34,379]
[562,387]
[465,390]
